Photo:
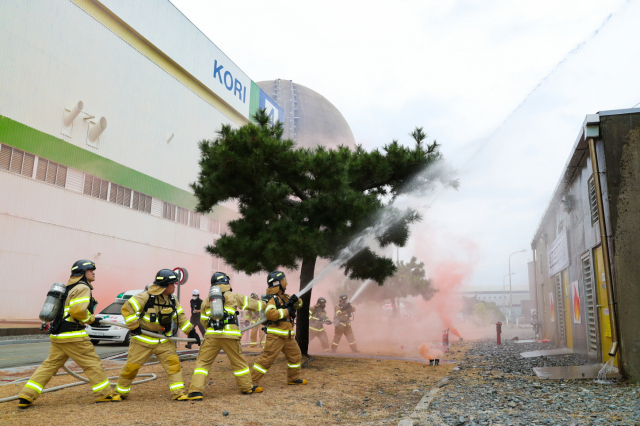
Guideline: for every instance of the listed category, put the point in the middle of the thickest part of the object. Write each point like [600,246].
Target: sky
[503,87]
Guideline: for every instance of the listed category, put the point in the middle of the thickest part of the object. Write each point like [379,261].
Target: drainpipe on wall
[605,243]
[535,285]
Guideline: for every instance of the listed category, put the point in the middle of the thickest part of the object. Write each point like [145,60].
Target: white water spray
[362,287]
[606,369]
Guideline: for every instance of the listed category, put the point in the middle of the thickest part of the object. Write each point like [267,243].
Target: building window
[120,195]
[169,211]
[182,215]
[593,202]
[141,202]
[194,220]
[93,186]
[16,161]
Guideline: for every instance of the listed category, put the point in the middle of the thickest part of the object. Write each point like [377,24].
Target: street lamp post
[504,308]
[510,294]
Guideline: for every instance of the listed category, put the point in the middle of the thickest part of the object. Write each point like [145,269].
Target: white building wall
[54,54]
[45,228]
[187,46]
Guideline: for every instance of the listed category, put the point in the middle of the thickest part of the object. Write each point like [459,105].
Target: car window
[113,309]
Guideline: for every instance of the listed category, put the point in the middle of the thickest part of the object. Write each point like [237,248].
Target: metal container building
[587,288]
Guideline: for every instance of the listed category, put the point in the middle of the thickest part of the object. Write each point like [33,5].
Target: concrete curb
[18,342]
[421,413]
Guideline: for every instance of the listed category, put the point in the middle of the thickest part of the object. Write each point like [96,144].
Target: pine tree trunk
[307,271]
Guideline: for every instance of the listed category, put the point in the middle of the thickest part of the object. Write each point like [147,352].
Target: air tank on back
[216,301]
[53,303]
[309,118]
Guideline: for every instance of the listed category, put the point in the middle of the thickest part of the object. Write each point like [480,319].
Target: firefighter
[196,304]
[317,319]
[70,340]
[342,320]
[254,317]
[280,313]
[156,310]
[223,334]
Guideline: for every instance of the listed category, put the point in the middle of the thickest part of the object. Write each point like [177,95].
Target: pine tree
[301,204]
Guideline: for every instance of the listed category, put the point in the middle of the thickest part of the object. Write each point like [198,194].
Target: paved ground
[493,385]
[13,355]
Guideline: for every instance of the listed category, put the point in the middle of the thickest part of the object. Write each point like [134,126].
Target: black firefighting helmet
[81,266]
[322,301]
[343,298]
[219,278]
[255,296]
[166,277]
[274,278]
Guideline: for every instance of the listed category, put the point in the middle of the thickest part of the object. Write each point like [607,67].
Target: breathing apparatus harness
[279,305]
[164,319]
[60,323]
[350,316]
[225,318]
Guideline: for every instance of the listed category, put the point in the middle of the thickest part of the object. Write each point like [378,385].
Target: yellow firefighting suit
[72,344]
[343,326]
[142,347]
[317,319]
[280,338]
[254,317]
[227,339]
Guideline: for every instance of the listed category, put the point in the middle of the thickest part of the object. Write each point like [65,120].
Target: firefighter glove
[136,331]
[348,305]
[293,299]
[194,335]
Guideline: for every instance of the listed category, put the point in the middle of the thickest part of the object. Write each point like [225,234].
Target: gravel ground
[494,385]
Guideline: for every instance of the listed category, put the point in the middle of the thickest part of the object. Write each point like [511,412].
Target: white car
[112,333]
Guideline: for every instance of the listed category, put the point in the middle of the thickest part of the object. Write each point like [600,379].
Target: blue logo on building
[229,82]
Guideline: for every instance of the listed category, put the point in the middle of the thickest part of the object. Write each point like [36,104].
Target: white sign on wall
[558,254]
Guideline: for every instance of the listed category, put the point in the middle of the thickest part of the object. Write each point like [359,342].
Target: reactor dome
[309,118]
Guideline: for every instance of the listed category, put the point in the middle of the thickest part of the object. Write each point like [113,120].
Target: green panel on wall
[55,149]
[255,100]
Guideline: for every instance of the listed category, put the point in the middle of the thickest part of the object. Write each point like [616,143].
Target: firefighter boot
[182,397]
[195,396]
[254,389]
[110,398]
[24,403]
[298,382]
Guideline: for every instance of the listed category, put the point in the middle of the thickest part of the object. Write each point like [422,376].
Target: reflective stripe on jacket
[132,309]
[317,317]
[77,307]
[342,315]
[233,302]
[284,326]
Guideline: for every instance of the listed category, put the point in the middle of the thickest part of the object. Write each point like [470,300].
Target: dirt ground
[352,391]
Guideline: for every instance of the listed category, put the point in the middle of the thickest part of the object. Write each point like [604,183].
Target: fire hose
[151,376]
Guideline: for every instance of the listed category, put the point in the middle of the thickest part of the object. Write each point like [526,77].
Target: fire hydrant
[499,331]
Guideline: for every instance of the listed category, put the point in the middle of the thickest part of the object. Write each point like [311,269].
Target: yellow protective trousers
[272,348]
[208,353]
[348,334]
[322,336]
[82,353]
[139,354]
